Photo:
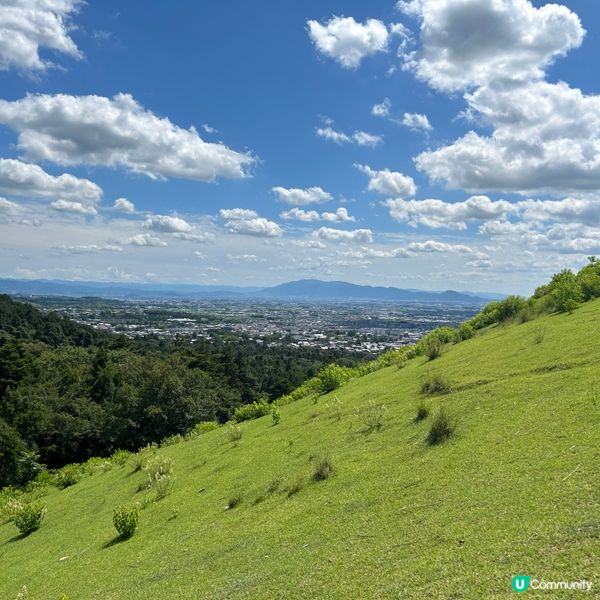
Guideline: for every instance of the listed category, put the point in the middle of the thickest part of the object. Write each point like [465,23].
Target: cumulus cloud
[259,226]
[416,122]
[339,235]
[435,246]
[31,181]
[237,213]
[89,249]
[9,208]
[145,239]
[348,41]
[74,207]
[167,224]
[27,26]
[361,138]
[450,215]
[546,139]
[382,109]
[243,258]
[118,131]
[124,205]
[469,43]
[388,182]
[300,196]
[341,215]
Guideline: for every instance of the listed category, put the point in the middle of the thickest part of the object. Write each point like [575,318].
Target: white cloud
[316,244]
[200,255]
[467,43]
[297,214]
[416,121]
[242,258]
[124,205]
[237,213]
[300,196]
[167,224]
[388,182]
[94,130]
[570,210]
[31,181]
[339,216]
[347,41]
[9,208]
[382,109]
[361,138]
[74,207]
[145,239]
[339,235]
[259,226]
[89,249]
[435,246]
[546,139]
[26,26]
[450,215]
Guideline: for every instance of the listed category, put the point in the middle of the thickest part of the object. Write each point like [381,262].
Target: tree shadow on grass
[116,540]
[17,538]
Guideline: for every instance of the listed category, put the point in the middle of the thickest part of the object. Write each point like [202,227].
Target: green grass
[513,491]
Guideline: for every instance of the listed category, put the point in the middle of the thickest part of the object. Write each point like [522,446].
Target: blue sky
[447,144]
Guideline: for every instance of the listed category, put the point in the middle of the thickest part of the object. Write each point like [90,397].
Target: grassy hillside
[513,491]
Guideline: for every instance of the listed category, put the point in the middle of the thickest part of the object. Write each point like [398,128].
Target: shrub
[332,377]
[323,468]
[120,457]
[441,428]
[125,520]
[565,291]
[204,427]
[246,412]
[466,331]
[171,440]
[163,486]
[276,416]
[67,476]
[435,384]
[433,347]
[422,412]
[28,518]
[234,433]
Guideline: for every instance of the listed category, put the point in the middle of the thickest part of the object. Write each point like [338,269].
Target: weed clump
[125,520]
[294,487]
[233,433]
[422,412]
[435,384]
[67,476]
[323,468]
[234,500]
[442,427]
[160,475]
[28,517]
[372,416]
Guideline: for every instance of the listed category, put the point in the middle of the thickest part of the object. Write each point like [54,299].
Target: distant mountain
[307,289]
[315,289]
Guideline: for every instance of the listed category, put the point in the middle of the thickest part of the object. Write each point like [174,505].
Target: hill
[304,289]
[315,289]
[514,490]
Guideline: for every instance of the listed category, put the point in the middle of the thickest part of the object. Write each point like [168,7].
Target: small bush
[422,412]
[120,457]
[125,520]
[435,384]
[246,412]
[234,433]
[163,486]
[28,518]
[433,347]
[276,415]
[323,468]
[172,440]
[160,475]
[67,476]
[441,428]
[332,377]
[204,427]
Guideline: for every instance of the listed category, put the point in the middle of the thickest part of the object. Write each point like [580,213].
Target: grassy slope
[514,492]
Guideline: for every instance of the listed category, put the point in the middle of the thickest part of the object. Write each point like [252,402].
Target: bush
[323,468]
[28,518]
[204,427]
[435,384]
[565,291]
[120,457]
[142,456]
[171,440]
[465,331]
[234,433]
[276,416]
[67,476]
[160,475]
[433,347]
[246,412]
[441,428]
[332,377]
[422,412]
[125,520]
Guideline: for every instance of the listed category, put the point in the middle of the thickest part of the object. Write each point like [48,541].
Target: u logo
[520,582]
